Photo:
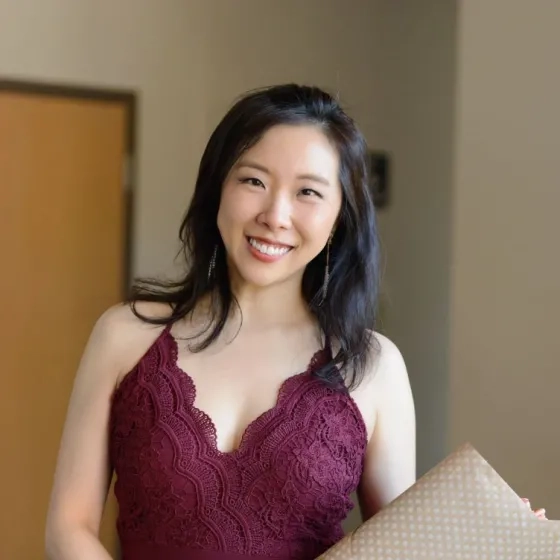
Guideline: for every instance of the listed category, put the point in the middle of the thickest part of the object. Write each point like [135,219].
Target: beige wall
[506,262]
[469,111]
[414,61]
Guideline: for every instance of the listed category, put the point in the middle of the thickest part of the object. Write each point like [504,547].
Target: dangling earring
[327,273]
[212,262]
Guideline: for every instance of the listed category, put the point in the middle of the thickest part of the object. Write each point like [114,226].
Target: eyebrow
[306,176]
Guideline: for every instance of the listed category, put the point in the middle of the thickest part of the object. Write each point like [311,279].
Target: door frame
[129,98]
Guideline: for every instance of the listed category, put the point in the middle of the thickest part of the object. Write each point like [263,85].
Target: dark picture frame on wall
[379,167]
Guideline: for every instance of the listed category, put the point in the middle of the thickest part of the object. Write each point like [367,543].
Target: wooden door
[63,260]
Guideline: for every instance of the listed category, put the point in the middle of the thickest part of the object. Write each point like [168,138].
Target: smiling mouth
[269,248]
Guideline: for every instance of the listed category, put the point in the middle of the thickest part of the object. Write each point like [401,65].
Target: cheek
[234,211]
[317,226]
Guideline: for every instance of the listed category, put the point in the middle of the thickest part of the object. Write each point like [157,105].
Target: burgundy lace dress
[282,495]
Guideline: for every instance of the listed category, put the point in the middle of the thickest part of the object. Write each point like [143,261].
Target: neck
[271,306]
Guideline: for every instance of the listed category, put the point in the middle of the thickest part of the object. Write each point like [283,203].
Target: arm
[83,472]
[390,463]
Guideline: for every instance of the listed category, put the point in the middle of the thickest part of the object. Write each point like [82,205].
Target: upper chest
[237,382]
[240,390]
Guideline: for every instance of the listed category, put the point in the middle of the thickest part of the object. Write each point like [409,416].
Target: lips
[267,247]
[270,242]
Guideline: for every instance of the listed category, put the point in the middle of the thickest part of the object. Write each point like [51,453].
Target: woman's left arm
[390,462]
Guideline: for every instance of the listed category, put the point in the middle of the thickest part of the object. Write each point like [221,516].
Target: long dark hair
[347,315]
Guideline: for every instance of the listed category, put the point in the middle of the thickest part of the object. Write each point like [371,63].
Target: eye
[310,193]
[253,181]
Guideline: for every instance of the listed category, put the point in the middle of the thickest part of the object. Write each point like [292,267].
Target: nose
[277,213]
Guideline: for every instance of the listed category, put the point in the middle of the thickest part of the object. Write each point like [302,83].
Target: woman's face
[279,205]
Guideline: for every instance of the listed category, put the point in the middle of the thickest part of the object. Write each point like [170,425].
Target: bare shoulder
[119,325]
[386,383]
[121,318]
[388,373]
[123,337]
[387,362]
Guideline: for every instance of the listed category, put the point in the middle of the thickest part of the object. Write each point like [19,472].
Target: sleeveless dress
[282,495]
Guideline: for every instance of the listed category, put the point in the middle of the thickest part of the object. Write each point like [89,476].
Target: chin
[260,280]
[248,276]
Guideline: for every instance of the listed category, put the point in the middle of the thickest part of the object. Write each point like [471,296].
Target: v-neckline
[212,438]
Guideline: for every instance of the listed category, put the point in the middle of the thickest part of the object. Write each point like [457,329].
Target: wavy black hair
[347,315]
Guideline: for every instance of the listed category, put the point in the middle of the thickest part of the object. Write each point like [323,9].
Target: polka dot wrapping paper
[460,510]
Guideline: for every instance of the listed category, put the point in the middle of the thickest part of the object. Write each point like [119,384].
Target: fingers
[540,513]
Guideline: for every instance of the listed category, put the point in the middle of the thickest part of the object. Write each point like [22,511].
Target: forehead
[298,149]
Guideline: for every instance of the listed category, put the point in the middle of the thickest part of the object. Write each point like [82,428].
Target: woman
[241,406]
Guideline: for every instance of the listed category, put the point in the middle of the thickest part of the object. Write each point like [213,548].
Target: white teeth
[268,249]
